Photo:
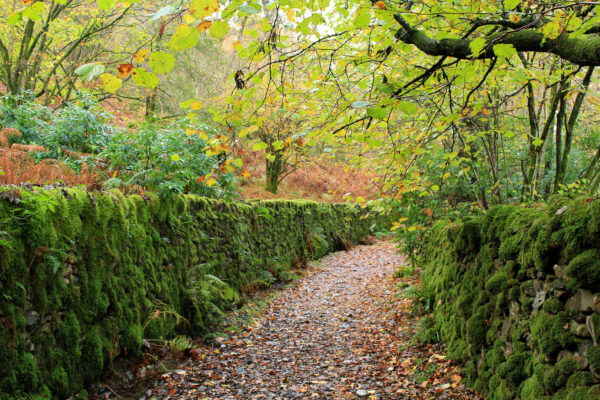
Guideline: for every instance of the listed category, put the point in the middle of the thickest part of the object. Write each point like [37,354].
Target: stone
[33,317]
[581,350]
[582,300]
[362,392]
[559,271]
[596,302]
[540,296]
[578,329]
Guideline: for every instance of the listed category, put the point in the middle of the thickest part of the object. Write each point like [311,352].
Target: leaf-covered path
[343,332]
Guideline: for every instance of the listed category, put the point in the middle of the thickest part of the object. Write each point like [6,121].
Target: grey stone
[596,302]
[581,300]
[33,317]
[578,329]
[591,329]
[362,392]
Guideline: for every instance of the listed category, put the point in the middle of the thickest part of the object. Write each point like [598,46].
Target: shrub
[168,160]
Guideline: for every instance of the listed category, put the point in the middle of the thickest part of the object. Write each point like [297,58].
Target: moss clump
[552,305]
[554,378]
[476,330]
[532,389]
[580,379]
[513,370]
[497,283]
[548,333]
[585,267]
[593,356]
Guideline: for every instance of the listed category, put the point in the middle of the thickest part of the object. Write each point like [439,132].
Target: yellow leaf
[203,135]
[245,174]
[141,55]
[211,181]
[188,19]
[196,106]
[514,18]
[189,131]
[291,15]
[204,8]
[110,83]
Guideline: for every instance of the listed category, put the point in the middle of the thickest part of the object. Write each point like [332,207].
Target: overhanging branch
[581,50]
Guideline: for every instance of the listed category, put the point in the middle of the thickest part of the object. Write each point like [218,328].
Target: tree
[489,91]
[43,43]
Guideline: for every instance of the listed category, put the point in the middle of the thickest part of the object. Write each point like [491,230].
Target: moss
[497,283]
[532,389]
[554,378]
[585,267]
[552,305]
[476,330]
[548,333]
[593,356]
[513,369]
[580,379]
[127,258]
[27,372]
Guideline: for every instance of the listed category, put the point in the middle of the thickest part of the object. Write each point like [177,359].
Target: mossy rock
[497,283]
[553,305]
[593,356]
[513,370]
[585,267]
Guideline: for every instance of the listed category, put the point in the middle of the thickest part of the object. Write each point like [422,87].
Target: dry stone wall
[85,277]
[516,297]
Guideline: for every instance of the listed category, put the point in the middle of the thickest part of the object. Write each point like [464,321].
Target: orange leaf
[124,70]
[428,212]
[204,26]
[200,179]
[456,378]
[380,5]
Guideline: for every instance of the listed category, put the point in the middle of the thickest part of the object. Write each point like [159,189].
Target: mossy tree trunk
[274,169]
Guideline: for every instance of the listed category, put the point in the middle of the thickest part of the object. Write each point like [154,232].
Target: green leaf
[476,45]
[537,142]
[362,19]
[249,9]
[511,4]
[219,29]
[89,72]
[259,146]
[407,107]
[184,38]
[359,104]
[145,78]
[106,4]
[385,88]
[161,62]
[377,112]
[504,50]
[15,18]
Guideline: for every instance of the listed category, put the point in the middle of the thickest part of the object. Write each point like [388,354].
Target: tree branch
[583,50]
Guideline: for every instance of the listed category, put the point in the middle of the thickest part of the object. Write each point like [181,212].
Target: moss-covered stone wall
[516,297]
[85,276]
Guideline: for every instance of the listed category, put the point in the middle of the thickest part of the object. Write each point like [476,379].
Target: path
[342,333]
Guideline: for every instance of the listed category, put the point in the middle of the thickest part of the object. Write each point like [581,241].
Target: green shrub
[165,159]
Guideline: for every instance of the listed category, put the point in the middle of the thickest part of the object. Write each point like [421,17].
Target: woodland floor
[344,331]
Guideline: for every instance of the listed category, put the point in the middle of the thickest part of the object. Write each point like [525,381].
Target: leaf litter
[344,331]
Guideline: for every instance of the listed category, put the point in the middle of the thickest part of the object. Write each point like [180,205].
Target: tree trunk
[274,169]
